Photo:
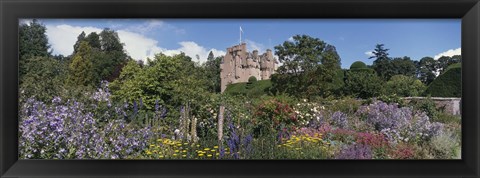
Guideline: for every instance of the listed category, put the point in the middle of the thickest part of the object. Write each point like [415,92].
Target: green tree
[363,83]
[81,72]
[172,80]
[33,42]
[110,40]
[93,40]
[402,66]
[401,85]
[210,56]
[426,70]
[212,73]
[107,55]
[381,64]
[445,61]
[44,79]
[80,39]
[309,67]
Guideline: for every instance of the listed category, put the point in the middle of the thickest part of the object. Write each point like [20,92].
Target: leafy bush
[358,65]
[363,84]
[402,85]
[256,89]
[426,105]
[443,147]
[448,84]
[346,105]
[273,115]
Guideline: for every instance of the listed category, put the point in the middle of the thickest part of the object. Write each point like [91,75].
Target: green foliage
[212,73]
[309,67]
[426,69]
[110,40]
[448,84]
[250,82]
[443,147]
[402,85]
[345,105]
[426,105]
[358,65]
[381,63]
[256,89]
[402,66]
[173,81]
[363,84]
[391,99]
[445,61]
[43,79]
[81,72]
[106,53]
[33,42]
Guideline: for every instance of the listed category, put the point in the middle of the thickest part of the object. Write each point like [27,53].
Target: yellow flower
[161,156]
[206,149]
[149,153]
[216,154]
[198,145]
[209,155]
[176,151]
[201,154]
[174,154]
[212,150]
[185,143]
[215,147]
[184,151]
[184,156]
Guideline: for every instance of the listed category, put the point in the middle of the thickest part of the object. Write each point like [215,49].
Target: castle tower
[239,65]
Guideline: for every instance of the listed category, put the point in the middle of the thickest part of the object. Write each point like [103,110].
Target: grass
[254,89]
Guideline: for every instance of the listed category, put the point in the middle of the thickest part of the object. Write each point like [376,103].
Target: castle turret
[238,65]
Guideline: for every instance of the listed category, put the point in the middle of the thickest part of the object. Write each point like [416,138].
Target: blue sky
[353,38]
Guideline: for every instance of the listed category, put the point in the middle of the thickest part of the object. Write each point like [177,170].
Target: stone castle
[239,65]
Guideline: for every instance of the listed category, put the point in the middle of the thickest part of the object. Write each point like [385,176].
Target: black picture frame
[11,11]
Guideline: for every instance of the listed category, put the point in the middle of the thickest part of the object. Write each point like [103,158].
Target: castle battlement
[239,65]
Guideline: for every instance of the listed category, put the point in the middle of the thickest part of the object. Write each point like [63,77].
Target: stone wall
[449,105]
[239,65]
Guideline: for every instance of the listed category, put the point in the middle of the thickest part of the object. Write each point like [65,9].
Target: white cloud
[192,49]
[290,39]
[138,46]
[25,21]
[63,37]
[369,53]
[252,45]
[152,25]
[449,53]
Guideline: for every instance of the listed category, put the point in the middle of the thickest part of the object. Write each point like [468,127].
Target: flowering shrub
[69,131]
[403,151]
[339,119]
[355,151]
[165,148]
[305,146]
[373,140]
[274,115]
[399,124]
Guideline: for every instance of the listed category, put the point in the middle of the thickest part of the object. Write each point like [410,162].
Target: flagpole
[240,34]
